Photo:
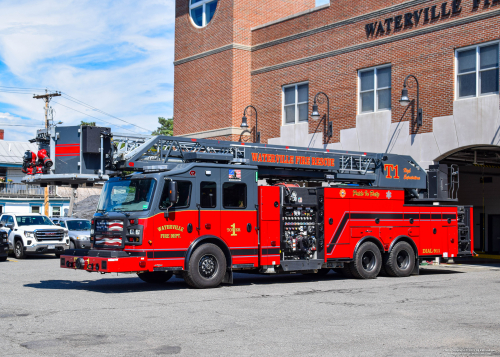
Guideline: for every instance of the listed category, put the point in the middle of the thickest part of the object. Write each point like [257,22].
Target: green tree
[166,127]
[88,123]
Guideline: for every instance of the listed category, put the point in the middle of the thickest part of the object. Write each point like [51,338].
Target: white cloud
[115,55]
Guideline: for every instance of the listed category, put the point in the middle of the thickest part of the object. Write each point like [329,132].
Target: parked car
[4,246]
[78,229]
[33,234]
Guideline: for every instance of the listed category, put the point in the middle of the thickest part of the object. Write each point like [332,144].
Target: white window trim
[283,118]
[478,85]
[203,4]
[39,206]
[52,211]
[375,89]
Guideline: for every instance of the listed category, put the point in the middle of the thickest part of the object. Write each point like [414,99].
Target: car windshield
[78,225]
[33,221]
[127,195]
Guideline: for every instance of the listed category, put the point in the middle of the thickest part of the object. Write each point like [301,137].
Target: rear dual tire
[400,262]
[366,263]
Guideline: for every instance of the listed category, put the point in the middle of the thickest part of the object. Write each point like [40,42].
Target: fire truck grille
[49,235]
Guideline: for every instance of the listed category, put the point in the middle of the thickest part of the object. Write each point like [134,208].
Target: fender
[369,239]
[404,239]
[199,240]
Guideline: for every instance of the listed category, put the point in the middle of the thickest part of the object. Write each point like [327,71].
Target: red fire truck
[203,209]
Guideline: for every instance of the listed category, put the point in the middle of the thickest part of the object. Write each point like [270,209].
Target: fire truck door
[239,215]
[208,201]
[173,234]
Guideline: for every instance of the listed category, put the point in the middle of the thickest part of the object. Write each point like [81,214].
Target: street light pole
[405,100]
[315,114]
[244,123]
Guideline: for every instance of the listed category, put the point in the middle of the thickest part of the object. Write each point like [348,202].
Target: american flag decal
[105,236]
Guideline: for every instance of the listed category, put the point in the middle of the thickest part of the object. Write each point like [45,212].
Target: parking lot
[446,311]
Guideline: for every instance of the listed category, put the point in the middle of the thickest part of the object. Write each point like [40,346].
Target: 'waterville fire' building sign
[422,16]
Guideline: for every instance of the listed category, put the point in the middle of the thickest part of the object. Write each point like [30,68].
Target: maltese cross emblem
[388,195]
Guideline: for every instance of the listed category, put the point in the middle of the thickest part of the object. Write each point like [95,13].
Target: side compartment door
[239,216]
[269,223]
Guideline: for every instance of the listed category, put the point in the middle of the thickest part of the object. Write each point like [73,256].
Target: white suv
[33,234]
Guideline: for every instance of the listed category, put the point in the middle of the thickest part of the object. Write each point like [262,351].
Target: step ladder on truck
[204,209]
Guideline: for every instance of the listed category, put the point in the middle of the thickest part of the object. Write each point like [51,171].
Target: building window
[35,209]
[477,70]
[202,11]
[295,103]
[56,211]
[375,89]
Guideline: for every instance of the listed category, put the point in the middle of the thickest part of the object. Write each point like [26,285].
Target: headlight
[91,231]
[134,231]
[82,238]
[29,234]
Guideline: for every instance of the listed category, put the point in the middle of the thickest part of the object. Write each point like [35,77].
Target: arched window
[202,11]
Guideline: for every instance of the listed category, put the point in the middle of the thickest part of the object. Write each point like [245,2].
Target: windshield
[80,225]
[33,221]
[126,195]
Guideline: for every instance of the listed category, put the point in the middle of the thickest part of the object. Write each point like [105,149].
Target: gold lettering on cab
[171,227]
[170,236]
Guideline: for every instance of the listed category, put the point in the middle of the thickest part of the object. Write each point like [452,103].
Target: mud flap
[416,268]
[228,277]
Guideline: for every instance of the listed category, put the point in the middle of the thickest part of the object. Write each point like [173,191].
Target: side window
[10,220]
[184,198]
[234,195]
[208,195]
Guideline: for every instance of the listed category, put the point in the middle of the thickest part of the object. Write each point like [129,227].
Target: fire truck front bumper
[104,261]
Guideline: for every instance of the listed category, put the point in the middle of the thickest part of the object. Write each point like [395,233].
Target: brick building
[277,55]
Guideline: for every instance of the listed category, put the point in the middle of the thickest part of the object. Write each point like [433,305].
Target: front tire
[401,260]
[207,267]
[367,263]
[19,250]
[155,277]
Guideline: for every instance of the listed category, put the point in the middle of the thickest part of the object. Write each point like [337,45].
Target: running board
[297,265]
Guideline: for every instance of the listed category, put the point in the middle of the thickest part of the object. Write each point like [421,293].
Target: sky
[105,56]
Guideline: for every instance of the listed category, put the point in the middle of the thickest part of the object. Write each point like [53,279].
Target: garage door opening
[479,168]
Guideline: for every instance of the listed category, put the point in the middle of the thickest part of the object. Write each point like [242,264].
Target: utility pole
[46,97]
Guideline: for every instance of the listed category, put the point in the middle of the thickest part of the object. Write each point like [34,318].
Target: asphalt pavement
[451,310]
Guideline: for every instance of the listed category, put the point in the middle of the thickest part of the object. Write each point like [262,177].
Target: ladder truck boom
[205,209]
[89,154]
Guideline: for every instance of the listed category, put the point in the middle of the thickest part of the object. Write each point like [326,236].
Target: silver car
[79,231]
